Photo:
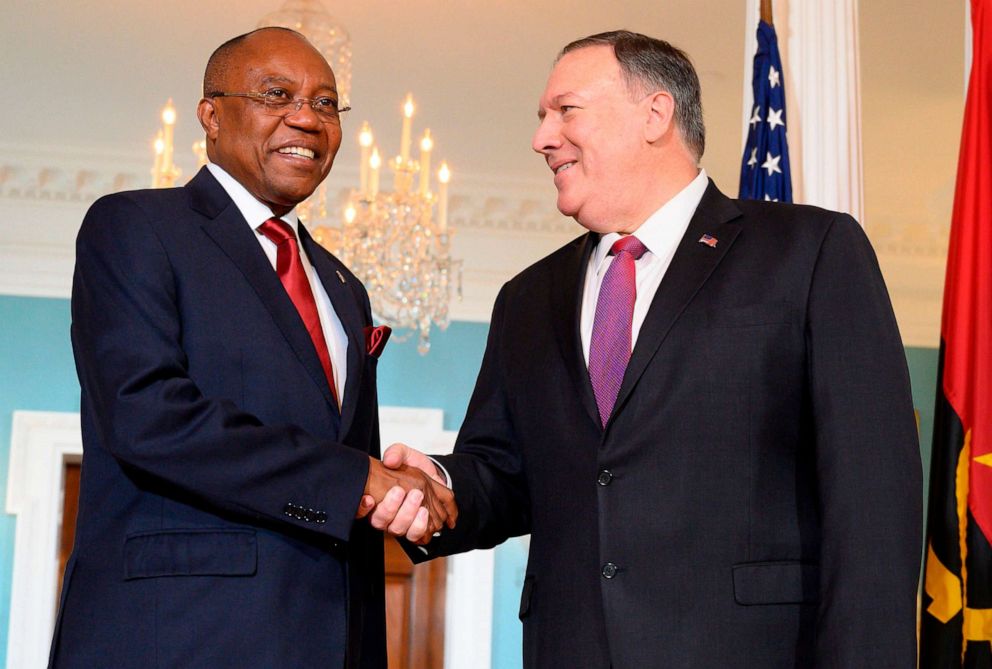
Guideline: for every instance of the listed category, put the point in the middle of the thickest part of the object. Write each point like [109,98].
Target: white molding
[40,445]
[500,223]
[41,442]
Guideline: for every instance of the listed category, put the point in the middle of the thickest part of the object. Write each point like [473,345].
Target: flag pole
[766,12]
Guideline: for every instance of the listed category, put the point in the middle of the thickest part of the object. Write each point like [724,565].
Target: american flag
[765,166]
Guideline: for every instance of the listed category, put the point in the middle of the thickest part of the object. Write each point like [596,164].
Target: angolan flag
[956,621]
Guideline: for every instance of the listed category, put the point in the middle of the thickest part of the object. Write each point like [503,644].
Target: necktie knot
[629,244]
[277,230]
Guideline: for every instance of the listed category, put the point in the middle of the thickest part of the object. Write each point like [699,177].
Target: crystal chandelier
[393,241]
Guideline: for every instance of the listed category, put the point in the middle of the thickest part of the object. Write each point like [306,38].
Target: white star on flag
[773,79]
[753,160]
[771,164]
[775,118]
[756,117]
[770,199]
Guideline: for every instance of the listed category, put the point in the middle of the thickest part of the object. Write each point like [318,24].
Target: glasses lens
[328,114]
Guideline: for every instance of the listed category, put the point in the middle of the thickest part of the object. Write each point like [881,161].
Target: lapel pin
[340,275]
[709,240]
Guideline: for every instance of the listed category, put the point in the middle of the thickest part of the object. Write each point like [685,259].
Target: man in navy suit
[229,409]
[699,410]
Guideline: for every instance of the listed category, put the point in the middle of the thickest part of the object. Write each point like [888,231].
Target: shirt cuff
[444,472]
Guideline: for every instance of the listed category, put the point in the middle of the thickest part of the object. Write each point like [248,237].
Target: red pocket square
[376,338]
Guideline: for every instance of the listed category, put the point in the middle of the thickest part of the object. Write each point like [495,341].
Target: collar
[663,229]
[253,211]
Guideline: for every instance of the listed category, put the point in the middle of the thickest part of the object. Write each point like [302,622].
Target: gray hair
[651,64]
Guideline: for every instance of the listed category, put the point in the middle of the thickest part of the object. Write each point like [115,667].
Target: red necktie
[289,267]
[609,348]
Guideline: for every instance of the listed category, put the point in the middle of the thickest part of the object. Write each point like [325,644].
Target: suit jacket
[755,498]
[219,481]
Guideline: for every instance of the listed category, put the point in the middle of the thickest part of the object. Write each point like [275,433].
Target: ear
[661,116]
[206,111]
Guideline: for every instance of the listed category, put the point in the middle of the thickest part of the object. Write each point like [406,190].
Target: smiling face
[593,135]
[279,160]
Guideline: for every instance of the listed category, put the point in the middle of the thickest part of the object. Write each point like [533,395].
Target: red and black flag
[956,621]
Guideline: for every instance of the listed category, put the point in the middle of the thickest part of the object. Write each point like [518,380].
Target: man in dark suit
[229,408]
[699,410]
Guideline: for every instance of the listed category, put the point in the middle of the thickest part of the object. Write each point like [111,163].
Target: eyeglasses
[278,103]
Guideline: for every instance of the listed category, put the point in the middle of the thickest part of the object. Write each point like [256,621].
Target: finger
[406,514]
[395,455]
[418,529]
[365,505]
[436,513]
[386,510]
[446,498]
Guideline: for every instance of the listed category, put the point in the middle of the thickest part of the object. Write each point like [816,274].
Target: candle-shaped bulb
[375,162]
[350,213]
[426,144]
[169,113]
[365,135]
[405,134]
[443,176]
[365,141]
[159,144]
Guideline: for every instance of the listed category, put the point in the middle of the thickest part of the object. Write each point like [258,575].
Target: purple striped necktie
[609,349]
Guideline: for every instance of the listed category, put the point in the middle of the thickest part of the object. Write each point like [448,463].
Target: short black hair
[650,64]
[222,59]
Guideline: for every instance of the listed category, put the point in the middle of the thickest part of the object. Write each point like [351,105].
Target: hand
[400,454]
[399,516]
[407,502]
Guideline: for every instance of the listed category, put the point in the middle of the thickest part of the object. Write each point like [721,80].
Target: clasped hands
[406,496]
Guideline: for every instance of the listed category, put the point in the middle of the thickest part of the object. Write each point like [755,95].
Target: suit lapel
[691,266]
[346,306]
[568,281]
[227,228]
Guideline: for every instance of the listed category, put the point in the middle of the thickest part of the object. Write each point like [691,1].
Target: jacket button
[609,570]
[605,477]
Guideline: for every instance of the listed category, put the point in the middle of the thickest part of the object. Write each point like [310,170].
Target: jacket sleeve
[148,413]
[867,460]
[486,468]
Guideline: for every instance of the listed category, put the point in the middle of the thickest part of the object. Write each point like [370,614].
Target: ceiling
[97,73]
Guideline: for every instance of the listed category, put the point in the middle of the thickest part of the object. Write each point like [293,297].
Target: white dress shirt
[256,213]
[661,234]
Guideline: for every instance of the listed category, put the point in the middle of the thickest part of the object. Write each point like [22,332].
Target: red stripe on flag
[967,318]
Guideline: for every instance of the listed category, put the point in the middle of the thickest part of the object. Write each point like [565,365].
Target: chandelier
[393,241]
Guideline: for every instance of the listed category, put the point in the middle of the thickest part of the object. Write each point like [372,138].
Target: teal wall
[36,373]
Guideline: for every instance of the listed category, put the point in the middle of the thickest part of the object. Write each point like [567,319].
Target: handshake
[406,496]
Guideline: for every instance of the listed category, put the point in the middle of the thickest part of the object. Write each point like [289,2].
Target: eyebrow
[555,102]
[279,79]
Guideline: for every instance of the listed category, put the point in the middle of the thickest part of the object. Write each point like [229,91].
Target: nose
[303,117]
[547,137]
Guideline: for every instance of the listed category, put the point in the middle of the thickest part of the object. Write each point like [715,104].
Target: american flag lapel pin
[709,240]
[340,275]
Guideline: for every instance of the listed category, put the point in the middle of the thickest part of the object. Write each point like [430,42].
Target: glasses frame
[284,108]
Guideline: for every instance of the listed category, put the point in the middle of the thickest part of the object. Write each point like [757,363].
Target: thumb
[396,455]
